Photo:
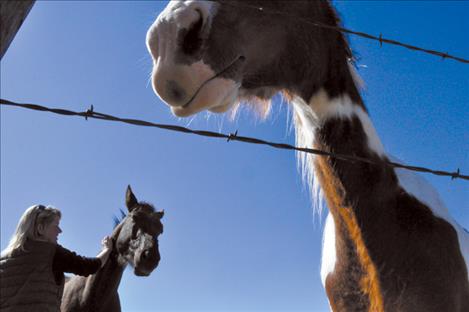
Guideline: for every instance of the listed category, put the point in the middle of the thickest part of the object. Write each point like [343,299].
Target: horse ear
[130,199]
[159,214]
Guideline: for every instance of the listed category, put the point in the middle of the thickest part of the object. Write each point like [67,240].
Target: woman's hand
[107,243]
[107,248]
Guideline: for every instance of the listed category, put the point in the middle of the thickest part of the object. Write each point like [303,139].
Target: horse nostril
[175,92]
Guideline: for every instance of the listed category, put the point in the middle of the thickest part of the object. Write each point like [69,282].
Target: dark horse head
[136,236]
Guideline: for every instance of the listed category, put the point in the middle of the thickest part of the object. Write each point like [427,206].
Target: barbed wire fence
[90,113]
[380,39]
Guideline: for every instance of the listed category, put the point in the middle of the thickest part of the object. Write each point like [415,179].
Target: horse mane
[118,219]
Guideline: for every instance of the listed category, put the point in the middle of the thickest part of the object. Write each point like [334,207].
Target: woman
[33,264]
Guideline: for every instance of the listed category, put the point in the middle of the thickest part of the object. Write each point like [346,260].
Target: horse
[135,242]
[389,245]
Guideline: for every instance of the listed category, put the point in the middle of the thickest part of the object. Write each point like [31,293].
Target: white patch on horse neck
[342,107]
[418,187]
[328,249]
[309,117]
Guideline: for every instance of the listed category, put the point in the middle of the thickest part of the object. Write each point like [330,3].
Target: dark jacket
[33,280]
[27,282]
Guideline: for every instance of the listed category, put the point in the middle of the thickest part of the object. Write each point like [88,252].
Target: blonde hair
[28,225]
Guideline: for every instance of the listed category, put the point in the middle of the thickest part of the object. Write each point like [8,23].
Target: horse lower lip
[140,273]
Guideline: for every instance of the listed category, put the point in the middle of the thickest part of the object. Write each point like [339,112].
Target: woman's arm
[68,261]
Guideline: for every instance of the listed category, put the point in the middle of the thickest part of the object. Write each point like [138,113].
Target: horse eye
[192,41]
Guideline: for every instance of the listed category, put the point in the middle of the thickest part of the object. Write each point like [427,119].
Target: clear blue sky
[240,234]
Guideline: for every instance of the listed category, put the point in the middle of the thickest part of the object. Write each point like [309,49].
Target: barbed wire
[380,39]
[90,113]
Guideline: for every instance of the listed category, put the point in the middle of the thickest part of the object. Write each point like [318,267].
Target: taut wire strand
[90,113]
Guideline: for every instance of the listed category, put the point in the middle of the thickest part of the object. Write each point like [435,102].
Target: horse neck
[352,191]
[377,224]
[104,284]
[340,125]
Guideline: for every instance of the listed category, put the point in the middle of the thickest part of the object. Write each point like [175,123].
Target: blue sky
[240,234]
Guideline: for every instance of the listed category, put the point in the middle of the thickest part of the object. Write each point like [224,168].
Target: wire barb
[89,112]
[232,136]
[350,158]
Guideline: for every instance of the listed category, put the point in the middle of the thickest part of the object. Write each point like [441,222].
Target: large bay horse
[389,244]
[135,242]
